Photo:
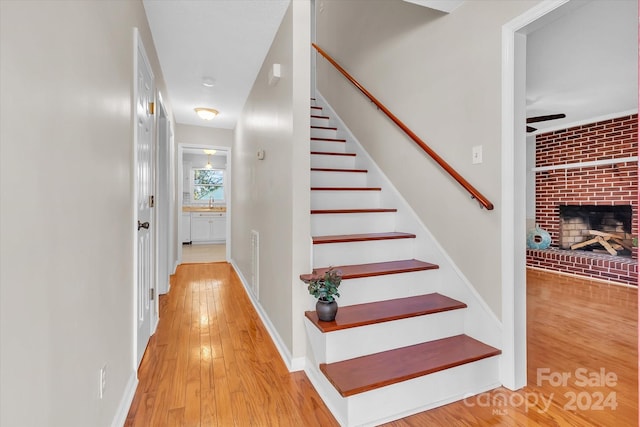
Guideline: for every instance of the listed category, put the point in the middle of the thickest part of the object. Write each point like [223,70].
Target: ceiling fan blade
[530,129]
[545,118]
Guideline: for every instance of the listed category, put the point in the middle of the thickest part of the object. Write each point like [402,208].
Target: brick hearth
[597,266]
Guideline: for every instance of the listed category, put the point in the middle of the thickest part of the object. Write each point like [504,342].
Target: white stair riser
[329,146]
[336,162]
[355,342]
[323,133]
[423,393]
[388,286]
[315,121]
[327,254]
[338,179]
[341,199]
[356,223]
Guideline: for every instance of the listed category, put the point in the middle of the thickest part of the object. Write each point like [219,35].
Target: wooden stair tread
[313,138]
[346,188]
[324,153]
[339,170]
[324,127]
[351,211]
[345,238]
[373,371]
[313,116]
[376,269]
[384,311]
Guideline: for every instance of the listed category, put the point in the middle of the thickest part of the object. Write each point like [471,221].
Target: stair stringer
[480,321]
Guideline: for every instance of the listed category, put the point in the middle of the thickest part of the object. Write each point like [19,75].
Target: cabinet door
[219,228]
[186,227]
[200,229]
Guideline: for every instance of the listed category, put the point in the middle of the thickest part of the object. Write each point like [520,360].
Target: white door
[144,175]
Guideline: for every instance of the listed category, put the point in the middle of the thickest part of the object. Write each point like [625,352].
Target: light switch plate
[476,154]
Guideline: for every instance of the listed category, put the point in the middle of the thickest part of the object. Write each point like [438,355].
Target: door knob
[143,225]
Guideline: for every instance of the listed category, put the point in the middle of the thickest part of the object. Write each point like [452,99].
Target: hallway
[212,363]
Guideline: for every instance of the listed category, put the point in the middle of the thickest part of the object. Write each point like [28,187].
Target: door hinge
[151,108]
[152,201]
[152,294]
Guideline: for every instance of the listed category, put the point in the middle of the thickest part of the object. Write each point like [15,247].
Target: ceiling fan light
[206,113]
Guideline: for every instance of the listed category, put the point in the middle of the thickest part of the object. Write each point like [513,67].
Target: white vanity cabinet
[209,227]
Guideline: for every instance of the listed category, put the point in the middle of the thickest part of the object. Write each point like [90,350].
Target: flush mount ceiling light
[212,152]
[206,113]
[208,82]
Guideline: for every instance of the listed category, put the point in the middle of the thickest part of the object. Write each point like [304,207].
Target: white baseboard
[292,364]
[125,403]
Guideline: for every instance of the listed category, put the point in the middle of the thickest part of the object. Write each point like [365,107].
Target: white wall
[200,160]
[66,209]
[271,196]
[441,75]
[201,135]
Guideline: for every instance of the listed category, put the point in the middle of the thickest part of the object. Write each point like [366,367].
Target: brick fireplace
[588,169]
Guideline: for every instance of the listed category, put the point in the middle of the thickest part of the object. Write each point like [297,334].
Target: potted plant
[325,288]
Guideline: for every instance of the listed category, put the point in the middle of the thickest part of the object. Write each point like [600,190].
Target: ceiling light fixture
[208,166]
[208,82]
[206,113]
[212,152]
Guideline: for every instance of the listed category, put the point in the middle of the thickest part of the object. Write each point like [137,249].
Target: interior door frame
[228,189]
[513,370]
[164,198]
[138,46]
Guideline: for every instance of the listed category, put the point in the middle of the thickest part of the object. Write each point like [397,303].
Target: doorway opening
[517,189]
[204,203]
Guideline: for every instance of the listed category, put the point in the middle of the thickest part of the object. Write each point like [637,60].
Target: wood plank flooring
[201,253]
[212,363]
[571,324]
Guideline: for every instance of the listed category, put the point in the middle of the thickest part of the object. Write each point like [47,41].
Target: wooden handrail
[475,194]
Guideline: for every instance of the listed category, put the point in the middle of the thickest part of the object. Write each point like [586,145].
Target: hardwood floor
[212,363]
[575,328]
[198,253]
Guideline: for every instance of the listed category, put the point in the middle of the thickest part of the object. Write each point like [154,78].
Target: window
[208,184]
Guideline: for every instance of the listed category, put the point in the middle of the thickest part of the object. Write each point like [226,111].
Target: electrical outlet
[103,381]
[476,154]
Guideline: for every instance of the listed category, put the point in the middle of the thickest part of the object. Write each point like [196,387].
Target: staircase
[399,344]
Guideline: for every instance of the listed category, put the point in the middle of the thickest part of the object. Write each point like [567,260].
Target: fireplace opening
[605,229]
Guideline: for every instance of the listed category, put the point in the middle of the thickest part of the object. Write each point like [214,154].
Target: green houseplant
[325,288]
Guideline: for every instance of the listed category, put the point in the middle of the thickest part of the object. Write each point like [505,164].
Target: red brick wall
[615,184]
